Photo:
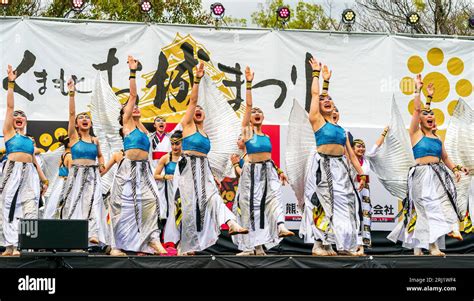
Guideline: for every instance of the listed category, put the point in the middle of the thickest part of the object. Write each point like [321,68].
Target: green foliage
[21,8]
[163,11]
[265,16]
[310,16]
[306,15]
[419,4]
[230,21]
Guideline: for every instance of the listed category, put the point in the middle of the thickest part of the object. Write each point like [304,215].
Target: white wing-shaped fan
[51,166]
[395,157]
[459,144]
[300,144]
[459,141]
[222,126]
[105,111]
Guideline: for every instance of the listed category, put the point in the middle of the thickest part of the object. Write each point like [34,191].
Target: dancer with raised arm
[259,186]
[164,174]
[358,146]
[430,210]
[160,143]
[20,186]
[52,204]
[203,210]
[330,208]
[82,196]
[134,203]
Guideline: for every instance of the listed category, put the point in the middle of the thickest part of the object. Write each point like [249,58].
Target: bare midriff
[136,154]
[20,157]
[259,157]
[85,162]
[427,160]
[194,153]
[331,149]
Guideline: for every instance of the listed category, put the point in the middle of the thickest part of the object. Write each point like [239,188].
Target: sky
[244,8]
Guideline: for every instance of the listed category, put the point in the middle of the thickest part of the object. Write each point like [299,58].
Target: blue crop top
[63,170]
[170,168]
[242,161]
[258,144]
[19,144]
[197,142]
[428,146]
[84,150]
[136,140]
[330,134]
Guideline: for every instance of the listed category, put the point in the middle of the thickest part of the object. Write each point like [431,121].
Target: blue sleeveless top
[330,134]
[428,146]
[136,140]
[19,144]
[241,162]
[197,142]
[170,168]
[258,144]
[63,170]
[84,150]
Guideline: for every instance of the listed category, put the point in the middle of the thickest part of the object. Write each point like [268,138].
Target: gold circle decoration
[60,132]
[415,64]
[440,83]
[55,146]
[411,106]
[451,107]
[464,88]
[407,85]
[435,56]
[455,66]
[439,117]
[46,139]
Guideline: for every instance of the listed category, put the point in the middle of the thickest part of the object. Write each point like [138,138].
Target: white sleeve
[375,148]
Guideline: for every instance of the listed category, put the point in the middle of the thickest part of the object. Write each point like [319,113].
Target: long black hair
[177,135]
[64,140]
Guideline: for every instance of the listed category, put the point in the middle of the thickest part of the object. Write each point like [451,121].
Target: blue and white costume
[259,198]
[135,206]
[52,203]
[330,198]
[81,197]
[202,209]
[19,190]
[430,210]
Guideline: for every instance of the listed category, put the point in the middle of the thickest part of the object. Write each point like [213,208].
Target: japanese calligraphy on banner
[367,71]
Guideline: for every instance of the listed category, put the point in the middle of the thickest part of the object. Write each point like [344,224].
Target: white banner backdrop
[367,71]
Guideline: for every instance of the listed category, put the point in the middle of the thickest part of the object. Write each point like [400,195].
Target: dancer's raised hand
[326,73]
[132,63]
[200,70]
[249,74]
[418,82]
[11,73]
[315,64]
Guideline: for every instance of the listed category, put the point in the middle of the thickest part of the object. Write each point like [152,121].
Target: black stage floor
[291,253]
[240,262]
